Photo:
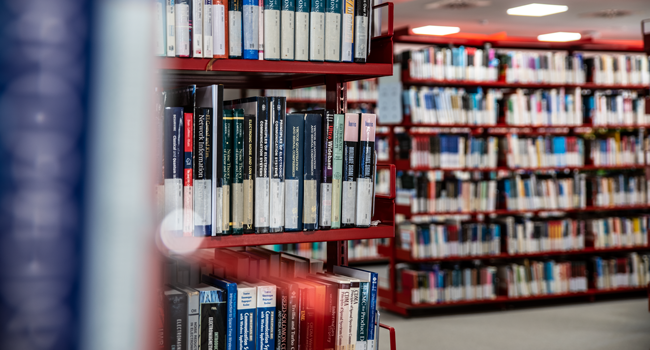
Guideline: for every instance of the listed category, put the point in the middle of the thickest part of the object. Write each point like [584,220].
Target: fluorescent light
[537,10]
[436,30]
[559,37]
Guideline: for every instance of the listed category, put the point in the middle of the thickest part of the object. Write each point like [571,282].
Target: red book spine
[188,213]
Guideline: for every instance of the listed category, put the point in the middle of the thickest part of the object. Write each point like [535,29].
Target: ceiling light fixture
[436,30]
[559,37]
[537,10]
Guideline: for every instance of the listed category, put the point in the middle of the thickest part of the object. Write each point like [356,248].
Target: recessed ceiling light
[559,37]
[436,30]
[537,10]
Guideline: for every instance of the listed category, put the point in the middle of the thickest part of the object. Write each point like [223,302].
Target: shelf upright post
[336,100]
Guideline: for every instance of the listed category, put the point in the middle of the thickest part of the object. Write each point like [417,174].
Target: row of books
[333,31]
[488,64]
[358,90]
[248,167]
[616,108]
[544,107]
[451,106]
[261,299]
[453,151]
[549,277]
[357,249]
[543,151]
[630,271]
[446,196]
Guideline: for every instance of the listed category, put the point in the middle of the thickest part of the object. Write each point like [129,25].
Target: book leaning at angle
[220,28]
[272,29]
[173,141]
[288,29]
[235,39]
[349,180]
[312,167]
[366,165]
[301,48]
[317,30]
[333,11]
[295,135]
[276,204]
[368,296]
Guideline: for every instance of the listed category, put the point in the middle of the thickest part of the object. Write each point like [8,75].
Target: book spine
[217,167]
[333,13]
[183,38]
[347,31]
[302,30]
[249,172]
[312,161]
[272,29]
[266,312]
[342,317]
[220,28]
[337,170]
[202,172]
[251,13]
[366,164]
[282,314]
[353,329]
[170,29]
[213,320]
[173,139]
[208,27]
[260,4]
[327,171]
[361,11]
[246,305]
[176,307]
[197,28]
[193,321]
[237,188]
[277,166]
[295,135]
[226,168]
[160,42]
[293,318]
[231,307]
[331,297]
[235,41]
[262,169]
[288,29]
[302,320]
[364,304]
[317,30]
[372,311]
[349,191]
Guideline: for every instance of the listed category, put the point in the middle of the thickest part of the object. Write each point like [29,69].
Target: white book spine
[235,33]
[197,28]
[288,34]
[325,204]
[316,36]
[208,29]
[347,31]
[160,35]
[262,202]
[182,30]
[171,29]
[291,204]
[219,31]
[302,35]
[277,203]
[174,205]
[261,30]
[272,34]
[348,202]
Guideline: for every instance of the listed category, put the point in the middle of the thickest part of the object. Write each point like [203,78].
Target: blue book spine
[251,29]
[246,305]
[173,143]
[312,164]
[265,317]
[235,30]
[372,312]
[295,135]
[231,314]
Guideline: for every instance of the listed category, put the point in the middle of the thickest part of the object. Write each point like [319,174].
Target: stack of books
[332,31]
[630,271]
[261,299]
[450,106]
[616,232]
[245,166]
[549,277]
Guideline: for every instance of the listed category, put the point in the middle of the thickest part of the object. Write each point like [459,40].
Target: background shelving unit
[398,299]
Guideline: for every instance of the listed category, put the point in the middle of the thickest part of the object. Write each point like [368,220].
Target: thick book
[183,9]
[262,167]
[337,169]
[173,141]
[202,172]
[287,33]
[160,18]
[170,29]
[301,48]
[251,14]
[362,11]
[237,187]
[208,28]
[317,30]
[235,30]
[197,28]
[333,13]
[192,340]
[211,96]
[276,208]
[272,29]
[342,310]
[295,135]
[349,181]
[366,172]
[311,172]
[231,307]
[306,314]
[220,28]
[317,307]
[250,122]
[265,315]
[213,310]
[246,306]
[176,322]
[188,202]
[329,327]
[284,289]
[347,31]
[327,167]
[353,325]
[373,279]
[226,170]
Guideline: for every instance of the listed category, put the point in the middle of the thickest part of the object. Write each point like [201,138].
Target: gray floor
[615,324]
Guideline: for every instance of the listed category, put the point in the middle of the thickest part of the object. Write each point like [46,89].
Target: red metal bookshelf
[319,101]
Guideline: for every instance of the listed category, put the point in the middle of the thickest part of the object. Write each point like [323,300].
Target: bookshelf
[398,298]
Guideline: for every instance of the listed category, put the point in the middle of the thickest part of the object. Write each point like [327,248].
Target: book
[160,38]
[362,11]
[192,314]
[312,167]
[327,171]
[250,26]
[350,171]
[220,28]
[260,4]
[208,28]
[197,28]
[353,317]
[188,177]
[176,318]
[317,30]
[237,204]
[373,280]
[265,316]
[262,167]
[170,28]
[226,150]
[342,311]
[173,139]
[246,307]
[213,312]
[272,29]
[231,307]
[295,134]
[276,205]
[250,122]
[302,30]
[288,30]
[366,165]
[183,13]
[329,310]
[235,30]
[347,31]
[333,13]
[202,171]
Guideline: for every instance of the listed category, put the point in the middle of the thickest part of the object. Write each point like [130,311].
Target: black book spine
[249,172]
[350,146]
[176,312]
[293,319]
[282,315]
[312,164]
[366,164]
[362,12]
[327,171]
[202,172]
[263,149]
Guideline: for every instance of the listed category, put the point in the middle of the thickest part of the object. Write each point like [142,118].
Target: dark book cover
[312,167]
[362,12]
[213,312]
[176,311]
[226,170]
[278,114]
[295,135]
[173,168]
[249,172]
[262,168]
[231,305]
[237,187]
[350,147]
[202,172]
[366,172]
[327,171]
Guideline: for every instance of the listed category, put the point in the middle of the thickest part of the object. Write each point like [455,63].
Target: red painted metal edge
[391,331]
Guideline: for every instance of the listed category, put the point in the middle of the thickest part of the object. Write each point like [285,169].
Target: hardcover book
[170,29]
[220,28]
[366,165]
[272,29]
[192,312]
[347,31]
[278,116]
[317,30]
[288,29]
[362,13]
[173,139]
[208,28]
[176,322]
[251,13]
[302,30]
[337,170]
[349,192]
[160,18]
[188,202]
[202,172]
[231,307]
[237,189]
[327,171]
[226,170]
[183,13]
[312,167]
[333,12]
[295,135]
[235,30]
[246,305]
[250,122]
[197,28]
[213,312]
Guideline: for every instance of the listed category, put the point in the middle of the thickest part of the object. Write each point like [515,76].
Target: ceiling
[493,18]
